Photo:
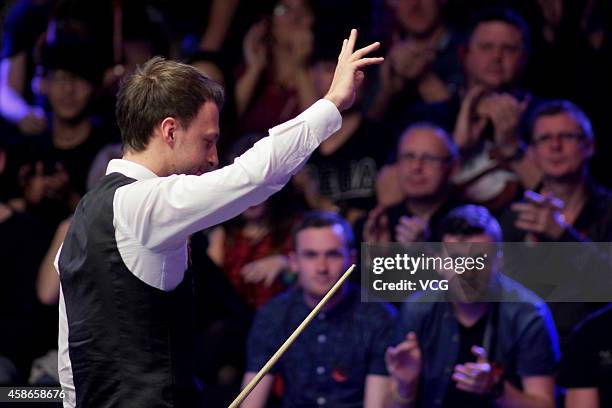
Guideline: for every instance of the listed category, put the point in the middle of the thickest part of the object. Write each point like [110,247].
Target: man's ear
[168,128]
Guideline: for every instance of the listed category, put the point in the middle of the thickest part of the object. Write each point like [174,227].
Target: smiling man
[426,160]
[338,361]
[125,301]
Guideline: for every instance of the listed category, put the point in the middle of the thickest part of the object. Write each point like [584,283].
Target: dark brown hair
[159,89]
[322,219]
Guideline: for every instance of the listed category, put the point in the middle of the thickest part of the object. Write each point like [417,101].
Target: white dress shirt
[154,216]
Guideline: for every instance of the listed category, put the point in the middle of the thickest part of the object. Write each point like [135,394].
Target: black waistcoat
[130,344]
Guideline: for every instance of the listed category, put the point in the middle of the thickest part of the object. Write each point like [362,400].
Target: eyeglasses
[547,138]
[426,159]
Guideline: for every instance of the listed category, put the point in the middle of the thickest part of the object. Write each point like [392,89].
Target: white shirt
[154,216]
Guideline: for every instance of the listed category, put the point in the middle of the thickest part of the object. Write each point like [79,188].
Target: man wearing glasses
[567,206]
[426,161]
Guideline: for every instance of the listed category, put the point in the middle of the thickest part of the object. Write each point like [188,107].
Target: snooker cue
[255,380]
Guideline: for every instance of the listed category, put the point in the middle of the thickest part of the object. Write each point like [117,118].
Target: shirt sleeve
[162,212]
[410,319]
[262,341]
[538,348]
[383,338]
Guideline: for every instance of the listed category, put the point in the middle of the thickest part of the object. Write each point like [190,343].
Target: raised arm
[162,212]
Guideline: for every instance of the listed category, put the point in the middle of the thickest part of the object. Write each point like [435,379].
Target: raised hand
[540,214]
[411,229]
[254,47]
[470,123]
[476,378]
[348,75]
[404,361]
[376,227]
[264,270]
[505,112]
[33,123]
[411,59]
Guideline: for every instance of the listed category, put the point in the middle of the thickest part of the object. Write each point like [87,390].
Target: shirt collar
[130,169]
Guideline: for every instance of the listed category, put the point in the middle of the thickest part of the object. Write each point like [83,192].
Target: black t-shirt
[347,176]
[594,223]
[468,337]
[76,161]
[588,360]
[29,329]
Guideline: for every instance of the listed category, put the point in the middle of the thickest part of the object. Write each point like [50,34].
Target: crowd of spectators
[489,112]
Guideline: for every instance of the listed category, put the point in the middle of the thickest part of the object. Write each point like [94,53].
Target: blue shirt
[525,342]
[328,363]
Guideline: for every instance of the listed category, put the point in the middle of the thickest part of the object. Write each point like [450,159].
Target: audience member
[423,61]
[485,116]
[252,249]
[58,160]
[30,329]
[586,366]
[426,160]
[457,350]
[467,67]
[274,84]
[568,205]
[339,358]
[344,167]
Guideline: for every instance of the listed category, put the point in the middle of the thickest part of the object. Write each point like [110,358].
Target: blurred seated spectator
[47,282]
[426,161]
[586,366]
[54,176]
[139,33]
[344,167]
[486,115]
[423,60]
[252,251]
[455,349]
[275,84]
[30,329]
[338,360]
[567,205]
[252,248]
